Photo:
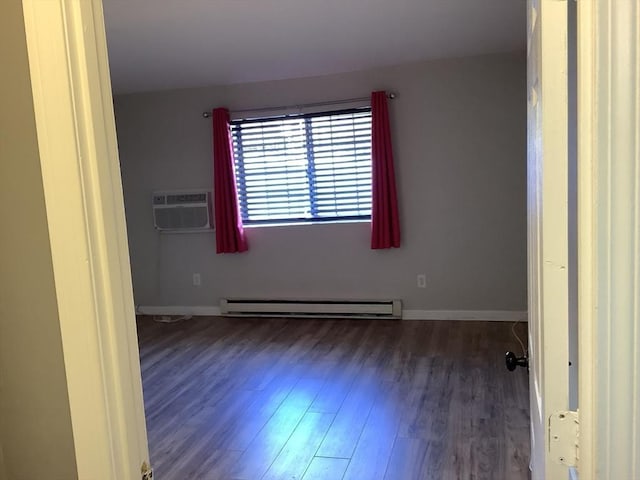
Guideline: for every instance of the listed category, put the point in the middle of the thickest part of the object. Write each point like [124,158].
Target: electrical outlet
[196,279]
[422,280]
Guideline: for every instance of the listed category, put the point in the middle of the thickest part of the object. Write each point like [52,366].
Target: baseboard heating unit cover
[389,309]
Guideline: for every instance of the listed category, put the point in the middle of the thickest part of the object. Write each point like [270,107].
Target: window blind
[312,167]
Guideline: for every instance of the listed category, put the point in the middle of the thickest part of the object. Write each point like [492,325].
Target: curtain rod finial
[206,114]
[392,95]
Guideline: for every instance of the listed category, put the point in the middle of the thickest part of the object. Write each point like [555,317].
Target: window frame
[239,167]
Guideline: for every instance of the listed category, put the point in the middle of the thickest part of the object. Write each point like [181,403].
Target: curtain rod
[304,105]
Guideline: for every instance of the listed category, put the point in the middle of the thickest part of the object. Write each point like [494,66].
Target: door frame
[76,130]
[73,107]
[609,238]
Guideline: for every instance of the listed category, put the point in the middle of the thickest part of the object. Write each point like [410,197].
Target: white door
[547,207]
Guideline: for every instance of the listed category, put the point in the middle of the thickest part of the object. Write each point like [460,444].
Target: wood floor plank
[266,446]
[204,465]
[332,395]
[412,457]
[186,436]
[299,450]
[324,468]
[373,450]
[343,435]
[283,398]
[486,460]
[264,404]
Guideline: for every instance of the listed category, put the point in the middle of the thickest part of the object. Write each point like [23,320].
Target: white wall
[35,422]
[459,131]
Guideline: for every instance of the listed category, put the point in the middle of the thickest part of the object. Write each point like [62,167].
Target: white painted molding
[483,315]
[586,138]
[198,311]
[85,214]
[609,238]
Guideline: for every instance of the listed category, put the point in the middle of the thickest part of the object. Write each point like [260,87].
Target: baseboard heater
[389,309]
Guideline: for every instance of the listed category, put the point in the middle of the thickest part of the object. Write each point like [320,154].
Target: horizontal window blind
[309,167]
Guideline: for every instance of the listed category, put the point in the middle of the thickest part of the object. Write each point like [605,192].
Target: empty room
[354,241]
[326,209]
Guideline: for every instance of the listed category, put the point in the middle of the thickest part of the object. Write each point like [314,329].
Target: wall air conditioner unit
[182,211]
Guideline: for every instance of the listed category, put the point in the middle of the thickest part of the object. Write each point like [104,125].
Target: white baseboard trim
[204,311]
[485,315]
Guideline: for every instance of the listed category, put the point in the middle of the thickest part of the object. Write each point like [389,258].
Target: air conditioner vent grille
[182,218]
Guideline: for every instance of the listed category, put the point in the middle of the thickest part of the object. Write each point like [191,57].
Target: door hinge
[564,431]
[147,471]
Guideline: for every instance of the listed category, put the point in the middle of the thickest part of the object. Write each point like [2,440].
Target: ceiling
[165,44]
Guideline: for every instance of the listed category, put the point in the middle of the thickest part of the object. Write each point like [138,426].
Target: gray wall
[459,130]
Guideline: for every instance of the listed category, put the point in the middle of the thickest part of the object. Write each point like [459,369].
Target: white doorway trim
[609,238]
[85,214]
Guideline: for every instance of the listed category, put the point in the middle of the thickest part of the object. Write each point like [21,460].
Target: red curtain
[385,224]
[230,236]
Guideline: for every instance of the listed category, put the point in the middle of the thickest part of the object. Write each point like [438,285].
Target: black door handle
[512,361]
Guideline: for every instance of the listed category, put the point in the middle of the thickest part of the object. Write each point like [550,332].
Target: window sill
[306,223]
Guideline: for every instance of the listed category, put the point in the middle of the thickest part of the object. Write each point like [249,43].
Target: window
[304,168]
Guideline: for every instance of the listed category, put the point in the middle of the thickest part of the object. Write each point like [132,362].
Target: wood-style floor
[267,399]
